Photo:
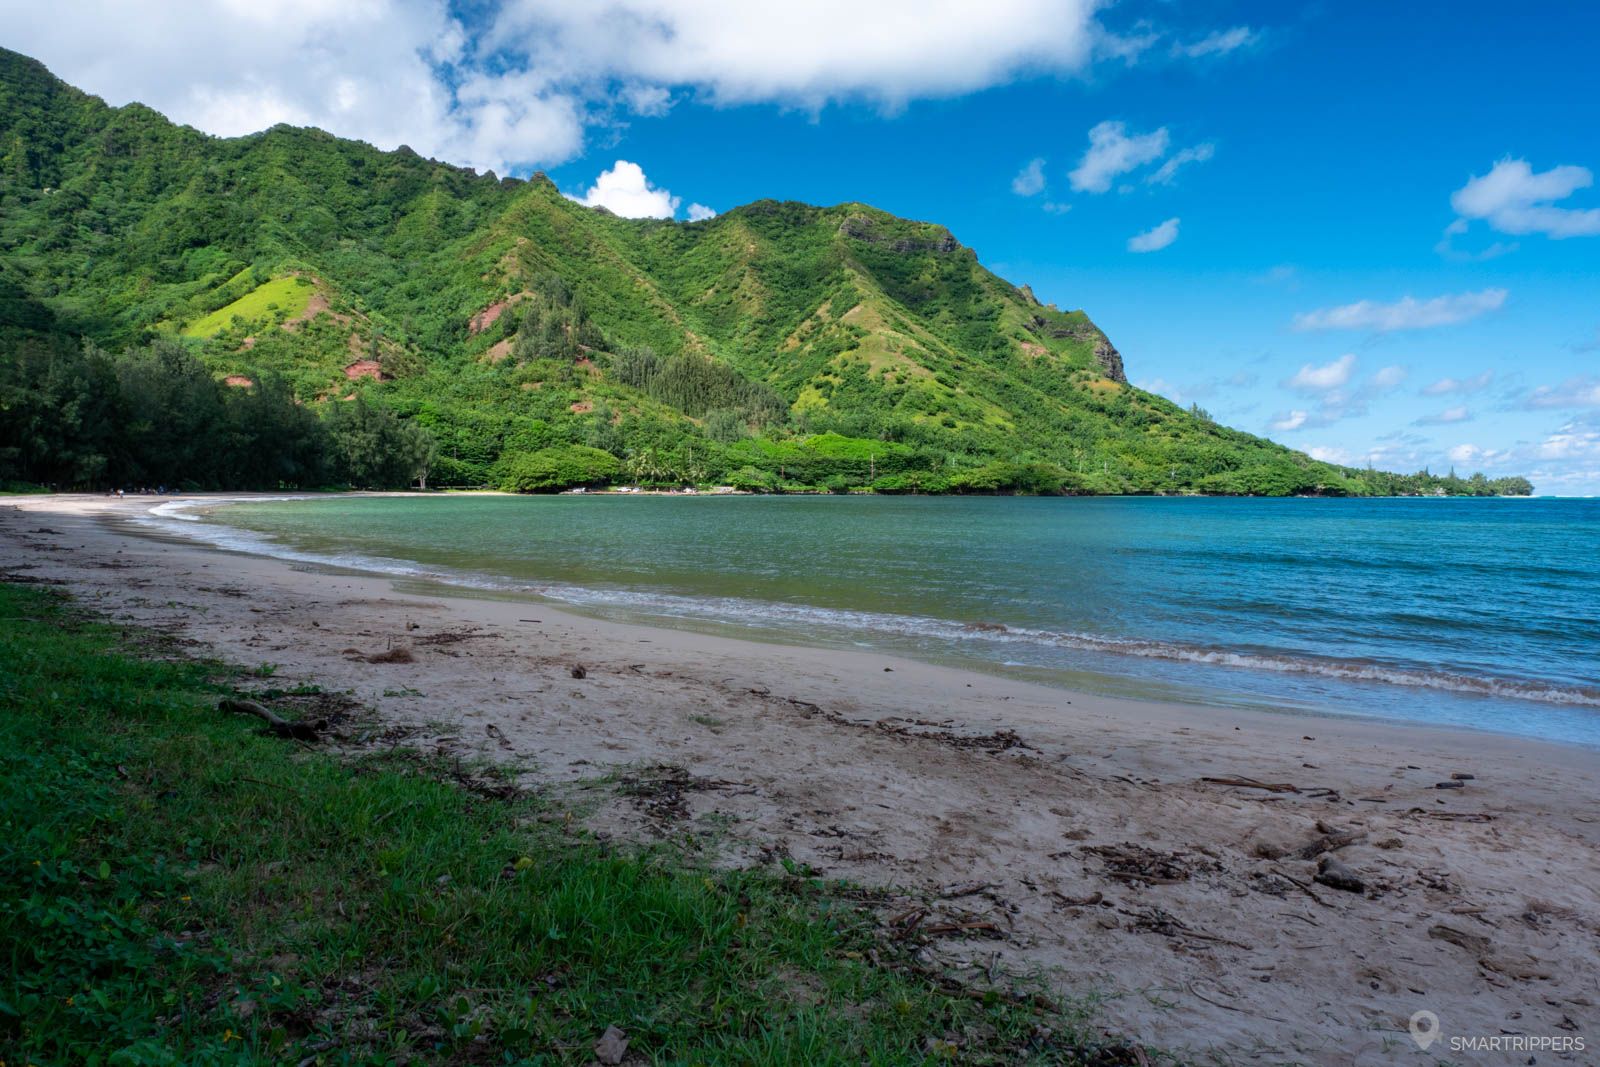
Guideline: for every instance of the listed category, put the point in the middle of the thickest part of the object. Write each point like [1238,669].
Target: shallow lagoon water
[1482,613]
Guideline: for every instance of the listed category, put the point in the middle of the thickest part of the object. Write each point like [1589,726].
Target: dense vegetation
[154,416]
[180,888]
[777,346]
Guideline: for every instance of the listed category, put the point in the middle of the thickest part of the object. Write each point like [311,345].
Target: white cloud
[1330,454]
[1289,420]
[699,213]
[1576,440]
[1465,386]
[522,89]
[1169,170]
[805,55]
[366,69]
[1333,387]
[1156,238]
[1055,207]
[1515,200]
[1388,378]
[1447,248]
[651,101]
[1579,391]
[625,191]
[1470,453]
[1112,152]
[1219,43]
[1405,314]
[1328,376]
[1446,417]
[1030,179]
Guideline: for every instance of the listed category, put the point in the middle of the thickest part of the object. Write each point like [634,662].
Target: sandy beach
[1158,859]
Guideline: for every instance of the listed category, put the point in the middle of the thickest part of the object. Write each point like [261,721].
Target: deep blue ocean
[1484,613]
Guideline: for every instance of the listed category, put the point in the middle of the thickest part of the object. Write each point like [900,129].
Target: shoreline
[1173,672]
[890,771]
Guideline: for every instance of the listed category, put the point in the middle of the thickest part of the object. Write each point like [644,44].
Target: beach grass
[180,887]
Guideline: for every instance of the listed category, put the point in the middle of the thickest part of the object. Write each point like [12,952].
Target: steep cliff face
[1109,360]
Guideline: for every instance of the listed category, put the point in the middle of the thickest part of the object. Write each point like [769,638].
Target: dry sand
[1023,803]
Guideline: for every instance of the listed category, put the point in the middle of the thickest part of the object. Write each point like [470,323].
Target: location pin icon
[1424,1029]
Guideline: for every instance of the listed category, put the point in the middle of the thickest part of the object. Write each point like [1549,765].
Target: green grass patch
[176,887]
[281,298]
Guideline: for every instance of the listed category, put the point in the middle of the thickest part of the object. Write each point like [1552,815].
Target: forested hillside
[344,315]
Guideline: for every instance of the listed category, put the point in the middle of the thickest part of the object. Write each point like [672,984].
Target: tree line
[76,416]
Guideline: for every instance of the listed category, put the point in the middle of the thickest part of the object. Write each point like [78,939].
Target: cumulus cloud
[699,213]
[1513,198]
[625,191]
[1446,417]
[1219,43]
[1312,378]
[369,69]
[1330,454]
[1576,440]
[1156,238]
[805,54]
[1470,453]
[1030,179]
[1445,386]
[1405,314]
[1336,393]
[1579,391]
[522,87]
[1112,152]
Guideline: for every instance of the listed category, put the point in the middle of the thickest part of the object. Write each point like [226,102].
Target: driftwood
[1335,875]
[280,727]
[1251,783]
[1330,842]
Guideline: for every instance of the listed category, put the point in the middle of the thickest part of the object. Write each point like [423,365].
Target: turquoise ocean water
[1484,613]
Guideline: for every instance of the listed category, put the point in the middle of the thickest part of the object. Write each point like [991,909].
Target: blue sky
[1365,230]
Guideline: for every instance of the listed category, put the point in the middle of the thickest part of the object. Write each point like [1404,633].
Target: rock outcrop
[1110,360]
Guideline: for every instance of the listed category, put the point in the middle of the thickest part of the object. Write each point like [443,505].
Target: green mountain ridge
[541,343]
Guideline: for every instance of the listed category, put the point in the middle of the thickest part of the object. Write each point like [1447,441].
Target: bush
[550,470]
[751,480]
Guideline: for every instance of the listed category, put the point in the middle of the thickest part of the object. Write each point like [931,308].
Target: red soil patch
[238,381]
[498,351]
[1034,350]
[317,305]
[486,318]
[582,407]
[588,365]
[366,368]
[247,344]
